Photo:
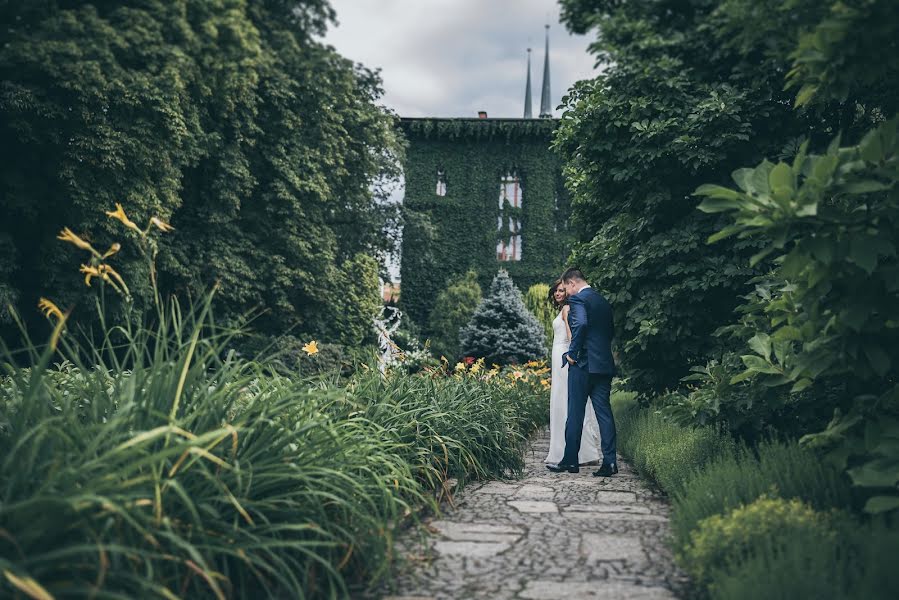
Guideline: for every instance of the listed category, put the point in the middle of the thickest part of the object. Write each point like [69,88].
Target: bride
[558,398]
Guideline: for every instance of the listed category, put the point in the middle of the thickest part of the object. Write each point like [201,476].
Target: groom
[592,368]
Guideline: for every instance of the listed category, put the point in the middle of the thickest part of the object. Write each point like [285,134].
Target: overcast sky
[450,58]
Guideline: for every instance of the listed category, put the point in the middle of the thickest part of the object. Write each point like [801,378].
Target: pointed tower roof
[546,109]
[527,91]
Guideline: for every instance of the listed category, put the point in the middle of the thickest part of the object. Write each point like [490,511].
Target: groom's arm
[577,321]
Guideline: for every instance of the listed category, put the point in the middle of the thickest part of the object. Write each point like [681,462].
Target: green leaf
[880,360]
[714,205]
[717,191]
[865,187]
[800,385]
[724,233]
[863,253]
[748,374]
[870,146]
[759,179]
[880,472]
[806,93]
[781,177]
[742,178]
[881,504]
[759,365]
[787,332]
[761,343]
[759,256]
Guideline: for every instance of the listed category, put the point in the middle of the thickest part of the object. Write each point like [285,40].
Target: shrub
[852,562]
[666,452]
[721,540]
[778,469]
[502,330]
[452,309]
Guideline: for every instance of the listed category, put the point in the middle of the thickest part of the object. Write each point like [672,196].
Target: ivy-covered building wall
[454,171]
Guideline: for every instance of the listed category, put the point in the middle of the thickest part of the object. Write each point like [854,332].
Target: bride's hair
[552,295]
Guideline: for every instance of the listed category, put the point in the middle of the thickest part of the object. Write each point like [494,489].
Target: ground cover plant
[726,495]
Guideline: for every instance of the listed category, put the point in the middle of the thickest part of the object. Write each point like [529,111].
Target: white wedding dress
[558,405]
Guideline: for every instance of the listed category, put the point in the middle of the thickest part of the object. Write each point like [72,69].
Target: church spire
[546,109]
[527,91]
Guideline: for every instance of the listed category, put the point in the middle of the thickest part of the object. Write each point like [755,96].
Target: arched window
[510,190]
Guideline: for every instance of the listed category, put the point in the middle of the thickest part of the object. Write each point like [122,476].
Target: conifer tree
[502,330]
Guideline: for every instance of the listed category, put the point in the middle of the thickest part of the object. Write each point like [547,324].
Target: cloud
[449,58]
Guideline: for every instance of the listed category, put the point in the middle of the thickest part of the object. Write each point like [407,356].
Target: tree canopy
[690,89]
[229,119]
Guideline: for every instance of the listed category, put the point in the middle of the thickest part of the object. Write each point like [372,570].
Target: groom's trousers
[598,388]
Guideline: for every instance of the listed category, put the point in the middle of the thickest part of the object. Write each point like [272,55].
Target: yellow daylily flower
[112,250]
[89,273]
[161,225]
[311,348]
[119,213]
[545,383]
[67,235]
[49,309]
[460,367]
[475,367]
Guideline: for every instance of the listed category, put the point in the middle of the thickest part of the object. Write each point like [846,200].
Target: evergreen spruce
[502,330]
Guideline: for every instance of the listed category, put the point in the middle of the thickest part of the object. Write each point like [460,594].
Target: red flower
[468,360]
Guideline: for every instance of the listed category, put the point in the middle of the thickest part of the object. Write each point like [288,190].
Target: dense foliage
[173,468]
[227,119]
[746,520]
[452,309]
[502,330]
[833,312]
[690,90]
[446,236]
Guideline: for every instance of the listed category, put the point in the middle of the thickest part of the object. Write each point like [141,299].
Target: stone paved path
[547,536]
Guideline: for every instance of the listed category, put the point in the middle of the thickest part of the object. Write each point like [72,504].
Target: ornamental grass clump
[153,461]
[190,473]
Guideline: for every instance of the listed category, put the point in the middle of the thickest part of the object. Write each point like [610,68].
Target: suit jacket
[592,330]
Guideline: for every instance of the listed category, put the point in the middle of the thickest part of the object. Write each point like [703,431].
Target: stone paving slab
[547,536]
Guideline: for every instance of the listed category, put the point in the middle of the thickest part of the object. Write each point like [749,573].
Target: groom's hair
[573,274]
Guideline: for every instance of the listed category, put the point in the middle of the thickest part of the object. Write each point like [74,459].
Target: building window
[510,249]
[510,190]
[441,182]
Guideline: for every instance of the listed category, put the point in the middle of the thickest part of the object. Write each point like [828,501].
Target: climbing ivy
[446,236]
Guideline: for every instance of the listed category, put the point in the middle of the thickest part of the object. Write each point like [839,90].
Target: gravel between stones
[544,537]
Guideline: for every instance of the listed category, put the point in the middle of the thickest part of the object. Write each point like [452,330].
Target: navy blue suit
[592,330]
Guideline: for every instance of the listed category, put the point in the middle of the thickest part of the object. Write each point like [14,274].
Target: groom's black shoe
[606,470]
[560,468]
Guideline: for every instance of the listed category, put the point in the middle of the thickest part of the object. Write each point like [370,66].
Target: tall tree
[690,88]
[259,143]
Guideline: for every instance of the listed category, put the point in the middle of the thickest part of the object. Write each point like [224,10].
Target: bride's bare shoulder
[565,310]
